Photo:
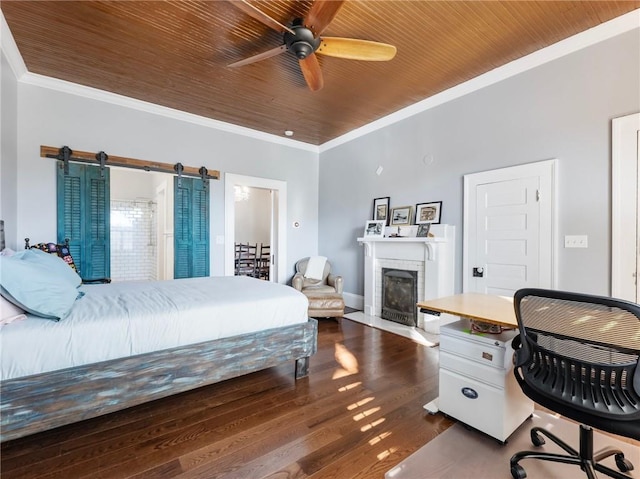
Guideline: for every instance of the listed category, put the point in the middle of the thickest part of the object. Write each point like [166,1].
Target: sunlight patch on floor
[349,386]
[386,453]
[415,334]
[379,438]
[366,413]
[371,425]
[362,402]
[347,360]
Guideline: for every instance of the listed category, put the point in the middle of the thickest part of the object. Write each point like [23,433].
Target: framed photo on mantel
[381,209]
[401,216]
[423,230]
[374,229]
[428,213]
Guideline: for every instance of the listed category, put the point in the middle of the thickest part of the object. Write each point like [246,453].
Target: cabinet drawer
[484,352]
[474,369]
[479,405]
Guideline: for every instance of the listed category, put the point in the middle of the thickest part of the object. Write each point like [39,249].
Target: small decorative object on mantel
[401,215]
[374,229]
[381,209]
[423,230]
[428,213]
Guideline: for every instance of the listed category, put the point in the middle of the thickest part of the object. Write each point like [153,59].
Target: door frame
[548,234]
[624,213]
[278,225]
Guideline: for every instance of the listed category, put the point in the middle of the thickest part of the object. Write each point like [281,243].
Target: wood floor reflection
[358,414]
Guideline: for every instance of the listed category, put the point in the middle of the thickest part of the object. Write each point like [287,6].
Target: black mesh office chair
[578,355]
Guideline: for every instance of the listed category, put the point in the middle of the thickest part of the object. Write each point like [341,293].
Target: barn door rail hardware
[66,154]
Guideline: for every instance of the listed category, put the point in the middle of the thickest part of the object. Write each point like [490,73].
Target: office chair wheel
[623,463]
[536,439]
[518,472]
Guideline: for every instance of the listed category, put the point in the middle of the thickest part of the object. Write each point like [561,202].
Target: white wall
[55,118]
[128,184]
[9,151]
[562,109]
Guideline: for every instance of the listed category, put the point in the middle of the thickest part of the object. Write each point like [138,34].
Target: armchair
[578,355]
[324,291]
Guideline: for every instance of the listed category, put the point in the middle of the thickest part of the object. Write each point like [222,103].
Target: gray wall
[562,109]
[54,118]
[8,151]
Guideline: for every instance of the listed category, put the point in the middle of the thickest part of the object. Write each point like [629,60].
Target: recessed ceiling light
[288,133]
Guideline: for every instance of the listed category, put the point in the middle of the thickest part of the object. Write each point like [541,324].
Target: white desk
[477,385]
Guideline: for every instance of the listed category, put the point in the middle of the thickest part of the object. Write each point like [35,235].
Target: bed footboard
[44,401]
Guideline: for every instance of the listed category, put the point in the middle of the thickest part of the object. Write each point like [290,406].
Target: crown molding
[10,49]
[140,105]
[599,33]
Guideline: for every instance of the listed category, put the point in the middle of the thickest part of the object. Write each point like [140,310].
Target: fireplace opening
[399,296]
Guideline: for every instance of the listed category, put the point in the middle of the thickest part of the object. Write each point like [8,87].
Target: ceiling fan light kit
[302,38]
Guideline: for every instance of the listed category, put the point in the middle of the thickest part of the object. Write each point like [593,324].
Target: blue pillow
[55,266]
[31,286]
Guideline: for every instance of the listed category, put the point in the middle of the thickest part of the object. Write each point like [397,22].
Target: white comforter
[123,319]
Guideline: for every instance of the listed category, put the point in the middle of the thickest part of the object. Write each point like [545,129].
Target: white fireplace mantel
[436,256]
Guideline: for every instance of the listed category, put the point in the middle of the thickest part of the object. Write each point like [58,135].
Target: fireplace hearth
[399,296]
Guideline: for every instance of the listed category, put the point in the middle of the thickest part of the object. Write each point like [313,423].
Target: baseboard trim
[354,301]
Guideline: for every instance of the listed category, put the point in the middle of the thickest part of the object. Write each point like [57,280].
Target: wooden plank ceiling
[176,53]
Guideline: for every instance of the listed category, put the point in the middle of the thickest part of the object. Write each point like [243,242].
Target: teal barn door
[191,228]
[83,218]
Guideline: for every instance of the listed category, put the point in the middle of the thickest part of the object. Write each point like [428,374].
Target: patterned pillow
[62,250]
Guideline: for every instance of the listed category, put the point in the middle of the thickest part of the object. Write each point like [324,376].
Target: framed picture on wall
[374,229]
[381,209]
[428,212]
[401,215]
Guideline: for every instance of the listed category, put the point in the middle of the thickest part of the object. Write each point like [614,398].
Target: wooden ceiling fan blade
[321,14]
[259,15]
[355,49]
[260,56]
[312,72]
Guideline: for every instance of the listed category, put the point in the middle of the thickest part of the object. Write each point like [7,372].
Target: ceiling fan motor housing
[303,43]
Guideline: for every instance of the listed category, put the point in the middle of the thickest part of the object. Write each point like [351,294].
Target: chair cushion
[315,268]
[323,301]
[319,288]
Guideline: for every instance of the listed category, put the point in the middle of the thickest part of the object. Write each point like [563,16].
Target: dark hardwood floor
[357,415]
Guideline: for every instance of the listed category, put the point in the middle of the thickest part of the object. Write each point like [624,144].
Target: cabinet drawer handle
[470,393]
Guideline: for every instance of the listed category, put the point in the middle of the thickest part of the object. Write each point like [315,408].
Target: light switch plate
[576,241]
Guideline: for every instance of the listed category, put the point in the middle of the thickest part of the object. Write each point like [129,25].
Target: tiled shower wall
[133,240]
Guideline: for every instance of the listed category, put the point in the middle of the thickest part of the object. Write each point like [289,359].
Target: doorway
[253,235]
[509,233]
[278,238]
[625,206]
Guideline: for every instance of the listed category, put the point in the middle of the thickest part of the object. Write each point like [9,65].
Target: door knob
[478,272]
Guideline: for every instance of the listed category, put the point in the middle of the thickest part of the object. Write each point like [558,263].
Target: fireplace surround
[433,259]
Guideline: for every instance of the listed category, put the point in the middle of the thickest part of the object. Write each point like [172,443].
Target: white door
[508,229]
[279,223]
[625,201]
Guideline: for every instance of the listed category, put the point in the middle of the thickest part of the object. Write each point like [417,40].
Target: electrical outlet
[575,241]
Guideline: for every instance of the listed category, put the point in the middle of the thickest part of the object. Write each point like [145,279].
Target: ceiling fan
[303,38]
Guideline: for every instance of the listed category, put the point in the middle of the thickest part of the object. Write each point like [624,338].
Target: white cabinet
[477,385]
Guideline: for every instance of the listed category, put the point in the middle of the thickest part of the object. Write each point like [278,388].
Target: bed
[123,344]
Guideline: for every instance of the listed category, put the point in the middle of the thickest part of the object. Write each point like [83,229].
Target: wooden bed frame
[44,401]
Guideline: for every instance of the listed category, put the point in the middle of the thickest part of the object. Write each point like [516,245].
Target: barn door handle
[478,272]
